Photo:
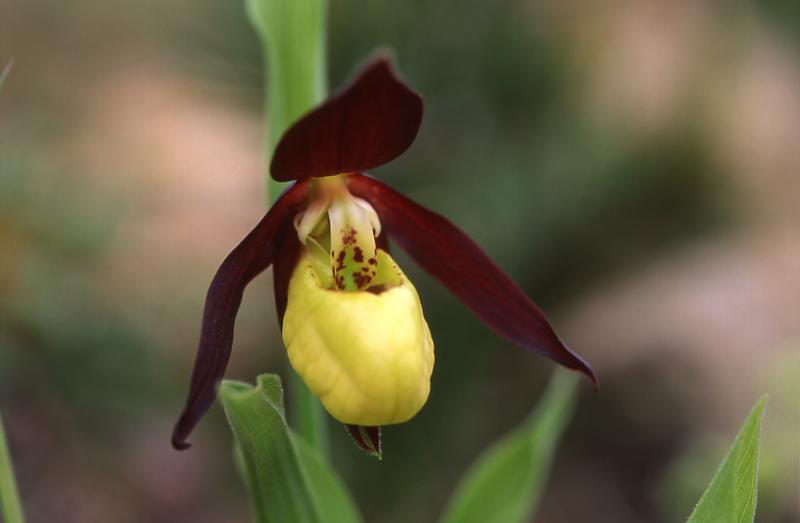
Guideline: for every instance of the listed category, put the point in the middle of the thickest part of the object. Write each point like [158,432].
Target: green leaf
[5,72]
[504,484]
[731,496]
[10,507]
[326,488]
[286,478]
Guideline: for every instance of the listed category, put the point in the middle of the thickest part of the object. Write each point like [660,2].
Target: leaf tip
[6,71]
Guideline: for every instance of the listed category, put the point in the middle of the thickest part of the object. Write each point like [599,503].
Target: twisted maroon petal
[454,259]
[254,254]
[371,122]
[285,261]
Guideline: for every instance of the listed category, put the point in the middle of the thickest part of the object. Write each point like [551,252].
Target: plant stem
[308,417]
[10,507]
[293,37]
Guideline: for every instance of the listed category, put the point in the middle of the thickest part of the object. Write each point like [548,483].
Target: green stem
[293,37]
[10,507]
[308,417]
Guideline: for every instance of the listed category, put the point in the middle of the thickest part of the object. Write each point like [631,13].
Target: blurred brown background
[633,164]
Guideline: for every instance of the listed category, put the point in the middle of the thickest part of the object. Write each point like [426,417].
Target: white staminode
[340,205]
[371,214]
[353,227]
[306,221]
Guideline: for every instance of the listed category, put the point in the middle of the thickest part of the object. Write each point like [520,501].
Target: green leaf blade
[5,72]
[505,482]
[287,480]
[10,506]
[326,488]
[731,495]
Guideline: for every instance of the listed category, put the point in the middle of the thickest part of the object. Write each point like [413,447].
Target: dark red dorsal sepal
[371,122]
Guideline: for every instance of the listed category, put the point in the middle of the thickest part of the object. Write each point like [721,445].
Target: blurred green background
[633,164]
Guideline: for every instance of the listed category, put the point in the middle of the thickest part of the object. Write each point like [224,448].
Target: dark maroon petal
[254,254]
[382,243]
[448,254]
[285,261]
[367,439]
[371,122]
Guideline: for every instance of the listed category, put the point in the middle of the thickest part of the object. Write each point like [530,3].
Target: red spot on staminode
[349,237]
[339,262]
[361,280]
[358,255]
[372,261]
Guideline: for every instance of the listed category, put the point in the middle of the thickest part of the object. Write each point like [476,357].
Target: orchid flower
[351,320]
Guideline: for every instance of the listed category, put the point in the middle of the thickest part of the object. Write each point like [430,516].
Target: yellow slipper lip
[367,355]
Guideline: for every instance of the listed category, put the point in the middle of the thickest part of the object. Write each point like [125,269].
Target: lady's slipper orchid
[351,320]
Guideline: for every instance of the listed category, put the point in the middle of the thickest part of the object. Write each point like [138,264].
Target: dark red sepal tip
[371,122]
[367,439]
[450,256]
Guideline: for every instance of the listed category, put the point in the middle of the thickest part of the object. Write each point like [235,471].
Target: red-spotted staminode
[351,321]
